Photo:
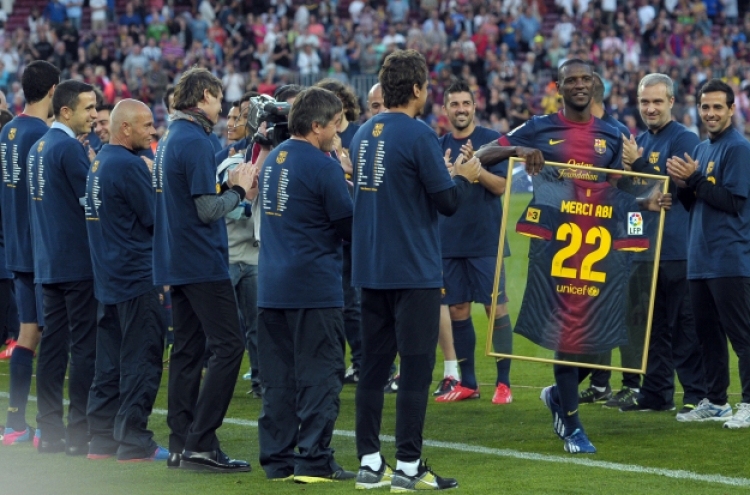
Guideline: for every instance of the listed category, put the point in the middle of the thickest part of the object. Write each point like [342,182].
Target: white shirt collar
[64,128]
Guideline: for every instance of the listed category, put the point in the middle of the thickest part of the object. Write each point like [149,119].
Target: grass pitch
[489,449]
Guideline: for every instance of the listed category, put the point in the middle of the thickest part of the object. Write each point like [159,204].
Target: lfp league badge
[635,223]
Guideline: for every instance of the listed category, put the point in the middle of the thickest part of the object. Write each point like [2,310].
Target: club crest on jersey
[600,146]
[39,148]
[377,130]
[710,167]
[653,158]
[282,157]
[95,166]
[218,188]
[635,223]
[12,134]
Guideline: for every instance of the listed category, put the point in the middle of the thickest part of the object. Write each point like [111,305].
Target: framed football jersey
[582,278]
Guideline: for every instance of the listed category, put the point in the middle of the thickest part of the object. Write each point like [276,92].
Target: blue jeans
[245,282]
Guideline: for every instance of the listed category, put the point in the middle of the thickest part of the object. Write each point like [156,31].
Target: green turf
[642,440]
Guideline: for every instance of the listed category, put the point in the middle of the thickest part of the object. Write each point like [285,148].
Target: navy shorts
[471,280]
[28,298]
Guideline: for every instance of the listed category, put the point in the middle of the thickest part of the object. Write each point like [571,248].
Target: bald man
[375,101]
[119,209]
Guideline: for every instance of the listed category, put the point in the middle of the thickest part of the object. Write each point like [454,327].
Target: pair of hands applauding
[466,165]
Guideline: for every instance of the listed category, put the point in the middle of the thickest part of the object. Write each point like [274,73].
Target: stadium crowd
[475,73]
[508,50]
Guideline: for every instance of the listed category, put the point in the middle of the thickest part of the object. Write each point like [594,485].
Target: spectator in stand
[199,28]
[98,15]
[308,61]
[73,11]
[54,12]
[130,18]
[233,84]
[528,26]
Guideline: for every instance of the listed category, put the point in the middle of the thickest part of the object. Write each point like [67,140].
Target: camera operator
[306,212]
[241,232]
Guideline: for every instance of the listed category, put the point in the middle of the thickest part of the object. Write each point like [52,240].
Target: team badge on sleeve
[377,130]
[282,157]
[12,134]
[600,146]
[40,147]
[95,166]
[635,223]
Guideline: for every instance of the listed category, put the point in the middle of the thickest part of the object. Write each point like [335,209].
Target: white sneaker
[705,411]
[741,419]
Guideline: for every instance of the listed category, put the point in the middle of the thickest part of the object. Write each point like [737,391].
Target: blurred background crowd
[508,50]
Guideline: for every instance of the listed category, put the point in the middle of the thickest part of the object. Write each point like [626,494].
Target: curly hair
[401,71]
[346,95]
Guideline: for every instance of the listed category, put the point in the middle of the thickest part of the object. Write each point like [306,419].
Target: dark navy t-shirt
[120,219]
[303,192]
[348,135]
[397,163]
[58,166]
[16,140]
[474,230]
[672,140]
[186,250]
[719,242]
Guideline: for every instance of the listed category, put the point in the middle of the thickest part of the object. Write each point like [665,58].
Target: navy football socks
[21,369]
[566,378]
[465,341]
[502,342]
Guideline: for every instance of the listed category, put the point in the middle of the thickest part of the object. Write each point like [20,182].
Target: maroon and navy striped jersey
[582,234]
[588,144]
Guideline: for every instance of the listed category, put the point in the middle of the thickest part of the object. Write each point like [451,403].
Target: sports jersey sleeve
[76,168]
[616,163]
[200,170]
[736,179]
[140,195]
[336,199]
[537,221]
[522,135]
[431,170]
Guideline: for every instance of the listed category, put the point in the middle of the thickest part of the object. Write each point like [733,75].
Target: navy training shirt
[303,192]
[674,139]
[119,219]
[397,164]
[348,135]
[16,139]
[719,242]
[474,230]
[58,167]
[186,250]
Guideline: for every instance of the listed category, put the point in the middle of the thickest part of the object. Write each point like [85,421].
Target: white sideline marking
[527,456]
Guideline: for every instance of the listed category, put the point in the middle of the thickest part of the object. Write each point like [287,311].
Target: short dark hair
[313,105]
[598,92]
[714,85]
[457,86]
[346,94]
[167,93]
[189,90]
[571,62]
[287,91]
[247,96]
[401,71]
[66,94]
[5,117]
[105,106]
[38,77]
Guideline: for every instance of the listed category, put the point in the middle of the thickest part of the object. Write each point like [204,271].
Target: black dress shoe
[51,446]
[77,449]
[213,460]
[173,461]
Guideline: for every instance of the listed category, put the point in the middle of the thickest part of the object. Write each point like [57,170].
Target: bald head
[375,102]
[132,125]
